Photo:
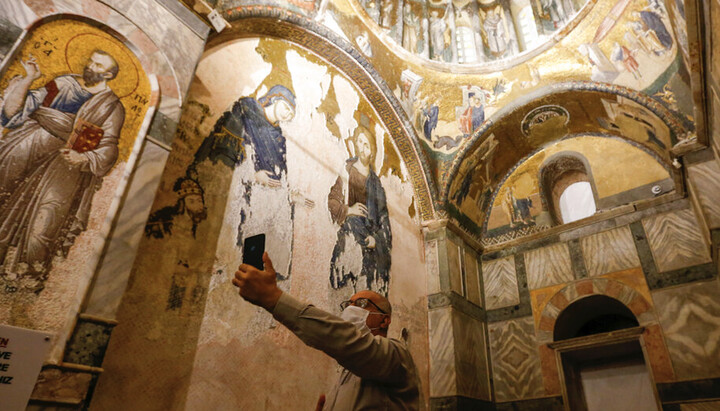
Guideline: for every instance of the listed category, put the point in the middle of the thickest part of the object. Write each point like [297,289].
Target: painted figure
[437,35]
[358,205]
[188,211]
[411,25]
[621,55]
[651,32]
[517,209]
[496,37]
[252,129]
[62,140]
[474,115]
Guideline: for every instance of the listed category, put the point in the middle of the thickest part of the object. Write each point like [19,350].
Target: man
[63,139]
[358,204]
[189,210]
[474,114]
[378,374]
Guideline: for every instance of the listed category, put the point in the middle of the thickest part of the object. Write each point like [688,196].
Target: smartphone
[253,249]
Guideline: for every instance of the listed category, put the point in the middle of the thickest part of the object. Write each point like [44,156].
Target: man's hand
[258,287]
[72,157]
[263,177]
[358,209]
[32,69]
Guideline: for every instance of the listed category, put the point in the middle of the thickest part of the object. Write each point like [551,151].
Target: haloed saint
[60,140]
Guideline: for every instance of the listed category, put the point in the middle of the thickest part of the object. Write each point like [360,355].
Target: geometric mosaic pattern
[609,251]
[548,266]
[690,318]
[500,283]
[675,240]
[705,177]
[515,360]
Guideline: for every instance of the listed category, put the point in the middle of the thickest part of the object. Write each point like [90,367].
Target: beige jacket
[379,373]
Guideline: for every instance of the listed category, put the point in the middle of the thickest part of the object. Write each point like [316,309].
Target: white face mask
[358,316]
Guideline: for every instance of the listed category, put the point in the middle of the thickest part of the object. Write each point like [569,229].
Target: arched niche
[50,289]
[557,173]
[544,115]
[593,314]
[619,171]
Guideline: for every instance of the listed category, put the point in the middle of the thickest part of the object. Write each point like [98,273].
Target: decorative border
[280,23]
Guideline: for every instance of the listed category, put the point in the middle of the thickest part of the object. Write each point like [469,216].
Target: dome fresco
[470,31]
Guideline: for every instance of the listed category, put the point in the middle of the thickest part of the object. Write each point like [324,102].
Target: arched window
[466,45]
[567,188]
[577,202]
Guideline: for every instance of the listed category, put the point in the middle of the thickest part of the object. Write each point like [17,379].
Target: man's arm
[366,356]
[18,88]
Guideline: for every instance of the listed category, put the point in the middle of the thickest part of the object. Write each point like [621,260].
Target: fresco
[518,207]
[469,32]
[73,101]
[289,147]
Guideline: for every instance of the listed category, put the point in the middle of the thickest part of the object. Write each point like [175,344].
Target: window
[466,45]
[577,202]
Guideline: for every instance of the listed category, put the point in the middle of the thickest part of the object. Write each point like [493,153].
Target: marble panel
[443,381]
[539,298]
[690,319]
[705,177]
[115,267]
[88,343]
[454,264]
[515,360]
[432,266]
[658,355]
[500,283]
[675,240]
[701,406]
[9,33]
[120,5]
[472,279]
[18,13]
[473,379]
[609,251]
[58,385]
[548,266]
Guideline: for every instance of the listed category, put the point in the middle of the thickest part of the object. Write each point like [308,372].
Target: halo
[78,52]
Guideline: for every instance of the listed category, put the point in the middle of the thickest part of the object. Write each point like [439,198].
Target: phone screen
[253,249]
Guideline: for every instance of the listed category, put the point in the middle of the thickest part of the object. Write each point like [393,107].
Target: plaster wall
[195,332]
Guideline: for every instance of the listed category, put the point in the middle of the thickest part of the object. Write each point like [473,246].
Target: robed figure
[62,140]
[249,139]
[359,205]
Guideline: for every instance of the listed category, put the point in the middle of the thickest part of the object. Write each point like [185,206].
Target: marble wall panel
[473,379]
[705,177]
[500,283]
[443,380]
[114,271]
[675,240]
[432,266]
[454,267]
[690,319]
[472,279]
[515,360]
[609,251]
[548,266]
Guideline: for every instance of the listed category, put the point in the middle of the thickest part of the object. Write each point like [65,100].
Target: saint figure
[62,140]
[358,205]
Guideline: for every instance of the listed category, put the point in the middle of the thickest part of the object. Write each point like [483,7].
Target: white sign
[22,353]
[217,21]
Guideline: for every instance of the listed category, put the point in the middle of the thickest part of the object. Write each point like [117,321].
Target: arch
[678,130]
[555,167]
[633,300]
[283,24]
[82,274]
[592,315]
